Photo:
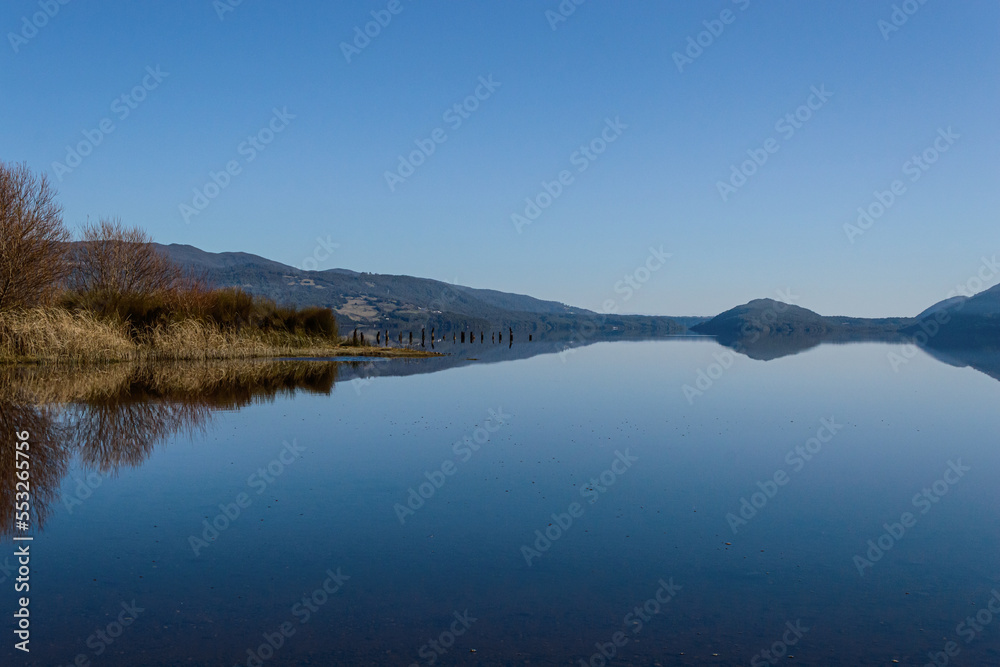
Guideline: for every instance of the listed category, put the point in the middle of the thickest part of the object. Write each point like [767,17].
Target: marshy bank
[55,334]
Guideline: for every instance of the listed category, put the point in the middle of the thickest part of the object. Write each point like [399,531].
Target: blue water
[608,423]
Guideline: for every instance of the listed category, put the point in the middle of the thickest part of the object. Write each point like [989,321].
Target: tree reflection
[47,457]
[116,416]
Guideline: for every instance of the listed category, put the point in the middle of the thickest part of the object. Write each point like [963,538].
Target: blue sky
[222,74]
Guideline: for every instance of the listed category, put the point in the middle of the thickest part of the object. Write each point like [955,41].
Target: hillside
[765,316]
[404,303]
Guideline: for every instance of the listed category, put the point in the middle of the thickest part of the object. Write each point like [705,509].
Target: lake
[667,502]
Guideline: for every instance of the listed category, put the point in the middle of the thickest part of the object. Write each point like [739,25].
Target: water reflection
[115,416]
[48,460]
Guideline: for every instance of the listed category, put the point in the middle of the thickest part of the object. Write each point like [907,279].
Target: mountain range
[372,301]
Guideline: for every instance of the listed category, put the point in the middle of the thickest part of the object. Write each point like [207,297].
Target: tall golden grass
[58,335]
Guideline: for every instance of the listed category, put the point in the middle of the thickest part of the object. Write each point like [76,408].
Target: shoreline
[50,335]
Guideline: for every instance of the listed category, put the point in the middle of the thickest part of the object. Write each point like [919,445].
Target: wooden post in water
[400,337]
[529,338]
[452,336]
[482,336]
[463,336]
[378,337]
[411,338]
[510,334]
[423,337]
[493,337]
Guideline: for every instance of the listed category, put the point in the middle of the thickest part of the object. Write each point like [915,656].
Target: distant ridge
[399,303]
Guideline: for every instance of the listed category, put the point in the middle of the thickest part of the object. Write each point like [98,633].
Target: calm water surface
[392,520]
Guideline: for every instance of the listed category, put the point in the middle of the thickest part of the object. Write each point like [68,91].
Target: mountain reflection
[981,353]
[115,416]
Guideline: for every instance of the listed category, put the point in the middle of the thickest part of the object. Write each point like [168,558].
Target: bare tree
[32,238]
[113,259]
